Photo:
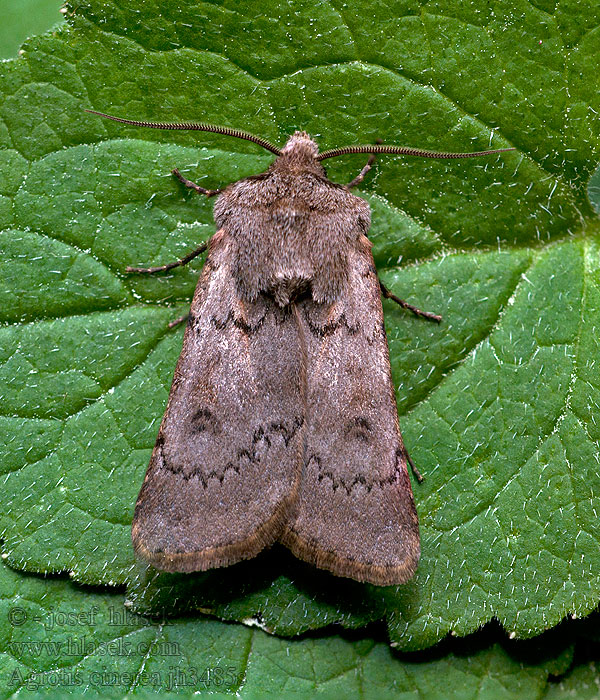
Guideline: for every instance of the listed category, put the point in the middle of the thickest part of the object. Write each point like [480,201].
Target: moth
[281,423]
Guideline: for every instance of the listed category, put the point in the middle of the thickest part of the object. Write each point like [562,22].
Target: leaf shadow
[274,591]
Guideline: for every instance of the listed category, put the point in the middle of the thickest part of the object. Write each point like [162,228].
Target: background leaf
[54,634]
[498,405]
[24,18]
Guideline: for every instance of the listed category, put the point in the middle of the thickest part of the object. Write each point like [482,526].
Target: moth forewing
[234,417]
[356,515]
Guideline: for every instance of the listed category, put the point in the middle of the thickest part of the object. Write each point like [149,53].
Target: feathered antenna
[195,126]
[404,151]
[333,153]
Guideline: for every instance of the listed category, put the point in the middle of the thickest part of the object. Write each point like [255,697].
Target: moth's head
[300,145]
[299,155]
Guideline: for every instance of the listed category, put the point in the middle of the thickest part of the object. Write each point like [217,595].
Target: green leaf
[498,404]
[58,637]
[23,18]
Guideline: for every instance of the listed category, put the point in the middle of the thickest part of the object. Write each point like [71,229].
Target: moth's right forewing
[224,474]
[355,514]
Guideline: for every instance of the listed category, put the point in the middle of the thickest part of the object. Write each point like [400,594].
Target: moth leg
[415,471]
[405,305]
[179,320]
[163,268]
[361,175]
[193,185]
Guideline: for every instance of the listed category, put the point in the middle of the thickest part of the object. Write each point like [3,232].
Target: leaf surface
[498,405]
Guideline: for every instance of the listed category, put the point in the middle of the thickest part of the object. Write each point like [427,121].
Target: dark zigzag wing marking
[355,513]
[225,470]
[350,483]
[262,436]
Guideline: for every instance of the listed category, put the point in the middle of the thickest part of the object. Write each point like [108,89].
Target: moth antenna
[404,151]
[195,126]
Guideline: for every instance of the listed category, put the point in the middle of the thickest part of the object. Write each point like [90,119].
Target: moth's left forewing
[224,472]
[355,514]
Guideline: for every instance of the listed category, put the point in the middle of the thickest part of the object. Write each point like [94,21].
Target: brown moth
[281,423]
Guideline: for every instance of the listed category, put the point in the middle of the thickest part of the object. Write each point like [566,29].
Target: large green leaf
[498,404]
[60,639]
